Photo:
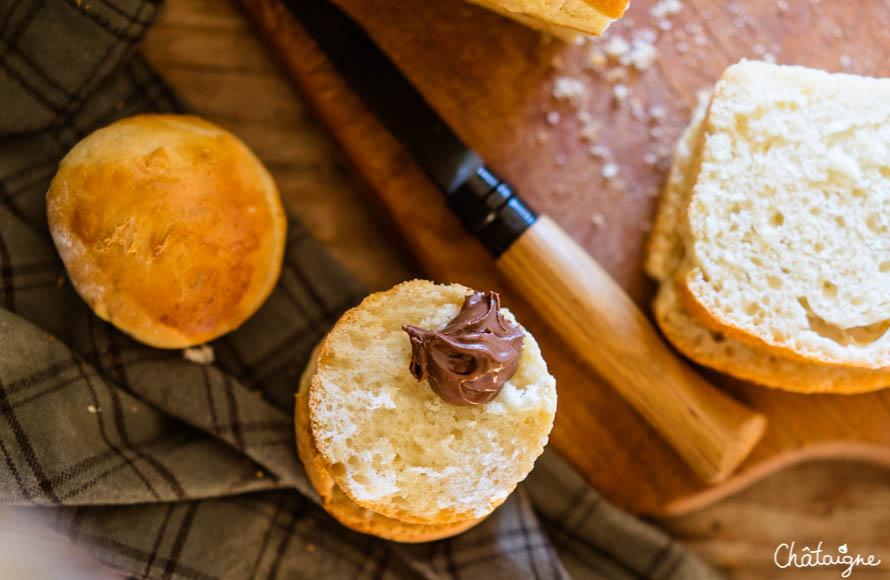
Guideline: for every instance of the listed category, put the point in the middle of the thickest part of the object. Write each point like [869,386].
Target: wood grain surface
[209,53]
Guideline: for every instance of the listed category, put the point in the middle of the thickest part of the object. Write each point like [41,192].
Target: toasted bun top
[169,227]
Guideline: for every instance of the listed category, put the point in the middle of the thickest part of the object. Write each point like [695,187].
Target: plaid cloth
[163,468]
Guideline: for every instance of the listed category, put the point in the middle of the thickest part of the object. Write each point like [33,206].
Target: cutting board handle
[709,429]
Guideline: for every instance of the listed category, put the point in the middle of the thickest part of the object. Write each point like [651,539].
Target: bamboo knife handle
[594,315]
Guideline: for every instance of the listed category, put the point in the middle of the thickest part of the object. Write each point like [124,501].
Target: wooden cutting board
[493,82]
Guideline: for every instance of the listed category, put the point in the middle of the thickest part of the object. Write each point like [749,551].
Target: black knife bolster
[491,210]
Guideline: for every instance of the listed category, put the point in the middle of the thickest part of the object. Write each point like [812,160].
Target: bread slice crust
[786,238]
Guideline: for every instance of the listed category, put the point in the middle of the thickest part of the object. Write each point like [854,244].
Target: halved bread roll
[391,445]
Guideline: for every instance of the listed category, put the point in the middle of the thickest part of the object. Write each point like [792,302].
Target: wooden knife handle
[594,315]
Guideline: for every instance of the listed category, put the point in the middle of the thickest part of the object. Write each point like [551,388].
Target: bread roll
[169,228]
[392,445]
[787,230]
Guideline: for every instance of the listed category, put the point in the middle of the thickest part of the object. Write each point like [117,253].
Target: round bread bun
[169,227]
[338,504]
[395,447]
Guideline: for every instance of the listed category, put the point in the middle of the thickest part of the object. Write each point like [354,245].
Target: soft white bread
[787,232]
[395,447]
[169,227]
[562,18]
[710,347]
[338,504]
[664,252]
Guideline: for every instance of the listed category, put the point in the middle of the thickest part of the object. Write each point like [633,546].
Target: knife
[710,430]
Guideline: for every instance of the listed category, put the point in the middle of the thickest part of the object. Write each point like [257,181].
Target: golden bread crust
[169,227]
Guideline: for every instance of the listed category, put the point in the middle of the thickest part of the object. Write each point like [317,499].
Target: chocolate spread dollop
[468,361]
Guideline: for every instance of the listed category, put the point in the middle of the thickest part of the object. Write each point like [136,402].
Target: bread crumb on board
[618,65]
[202,355]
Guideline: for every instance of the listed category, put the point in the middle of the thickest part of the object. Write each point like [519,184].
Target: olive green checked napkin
[164,468]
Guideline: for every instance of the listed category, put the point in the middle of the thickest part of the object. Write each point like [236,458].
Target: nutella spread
[468,361]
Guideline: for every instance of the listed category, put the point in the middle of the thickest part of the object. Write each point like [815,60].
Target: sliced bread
[787,230]
[710,347]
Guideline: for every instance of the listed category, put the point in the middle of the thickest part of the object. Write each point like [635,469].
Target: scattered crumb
[560,159]
[621,92]
[135,409]
[597,58]
[642,54]
[51,338]
[615,74]
[310,547]
[617,47]
[770,58]
[597,220]
[569,88]
[657,112]
[541,137]
[60,281]
[610,170]
[202,355]
[846,61]
[553,118]
[600,151]
[590,128]
[782,5]
[650,158]
[94,409]
[666,8]
[260,474]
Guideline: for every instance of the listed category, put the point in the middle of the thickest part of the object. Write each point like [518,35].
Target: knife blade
[486,205]
[710,430]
